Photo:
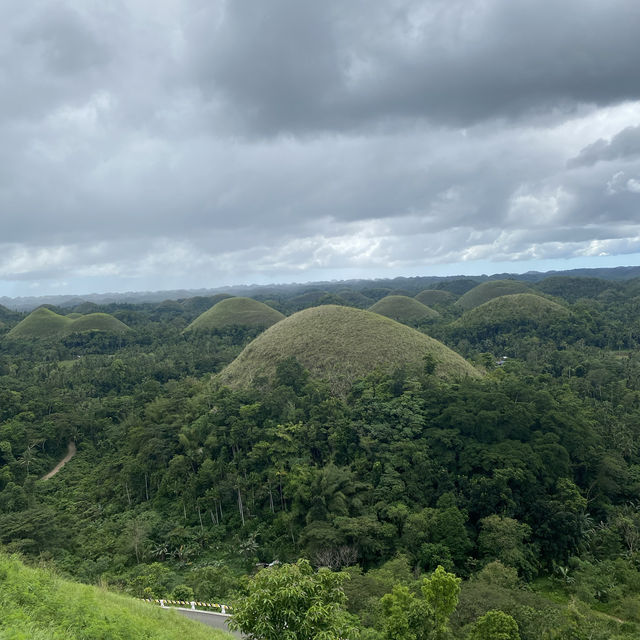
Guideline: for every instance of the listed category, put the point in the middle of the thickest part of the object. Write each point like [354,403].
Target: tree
[292,602]
[495,625]
[407,617]
[440,592]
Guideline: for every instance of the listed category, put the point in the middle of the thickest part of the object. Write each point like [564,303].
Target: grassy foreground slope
[44,323]
[37,605]
[489,290]
[236,312]
[341,344]
[404,309]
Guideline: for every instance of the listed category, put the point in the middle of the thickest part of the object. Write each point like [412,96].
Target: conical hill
[341,344]
[511,312]
[404,309]
[489,290]
[44,323]
[236,312]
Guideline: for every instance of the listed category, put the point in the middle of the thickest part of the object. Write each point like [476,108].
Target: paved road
[211,619]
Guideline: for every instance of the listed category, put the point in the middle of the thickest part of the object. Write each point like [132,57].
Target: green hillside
[489,290]
[341,344]
[512,311]
[44,323]
[236,312]
[432,297]
[97,322]
[37,605]
[404,309]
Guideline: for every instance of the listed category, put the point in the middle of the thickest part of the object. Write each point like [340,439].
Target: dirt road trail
[71,451]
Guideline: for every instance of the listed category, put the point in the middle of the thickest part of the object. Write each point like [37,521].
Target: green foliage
[293,602]
[440,592]
[405,617]
[505,539]
[495,625]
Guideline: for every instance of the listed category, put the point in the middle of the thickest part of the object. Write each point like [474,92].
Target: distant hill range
[406,285]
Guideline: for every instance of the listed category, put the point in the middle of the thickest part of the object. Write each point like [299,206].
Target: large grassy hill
[37,605]
[341,344]
[45,323]
[236,312]
[404,309]
[489,290]
[511,312]
[432,297]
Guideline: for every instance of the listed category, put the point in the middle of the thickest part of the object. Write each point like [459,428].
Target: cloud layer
[194,143]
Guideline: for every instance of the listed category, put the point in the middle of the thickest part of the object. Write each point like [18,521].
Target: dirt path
[71,451]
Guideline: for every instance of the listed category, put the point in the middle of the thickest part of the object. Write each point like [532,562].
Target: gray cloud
[284,66]
[625,144]
[215,142]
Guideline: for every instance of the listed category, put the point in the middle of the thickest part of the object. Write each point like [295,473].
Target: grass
[404,309]
[35,604]
[511,311]
[233,312]
[44,323]
[341,344]
[435,296]
[489,290]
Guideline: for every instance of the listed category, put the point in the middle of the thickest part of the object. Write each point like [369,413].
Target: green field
[35,604]
[341,344]
[404,309]
[236,312]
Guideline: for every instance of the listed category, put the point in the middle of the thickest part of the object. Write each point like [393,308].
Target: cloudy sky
[150,144]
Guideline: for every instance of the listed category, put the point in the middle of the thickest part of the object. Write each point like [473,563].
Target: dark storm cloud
[291,66]
[625,144]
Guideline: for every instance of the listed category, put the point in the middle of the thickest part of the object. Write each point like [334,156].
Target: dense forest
[523,479]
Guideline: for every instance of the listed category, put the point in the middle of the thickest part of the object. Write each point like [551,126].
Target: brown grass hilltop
[341,344]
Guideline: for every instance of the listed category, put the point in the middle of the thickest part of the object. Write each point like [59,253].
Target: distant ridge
[340,345]
[413,284]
